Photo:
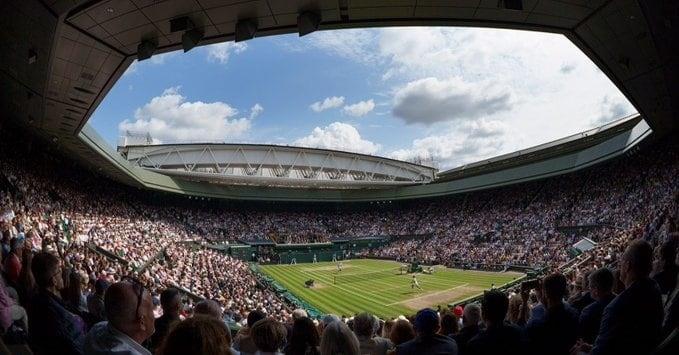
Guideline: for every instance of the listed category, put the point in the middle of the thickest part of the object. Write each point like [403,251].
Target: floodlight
[308,22]
[191,38]
[145,50]
[245,30]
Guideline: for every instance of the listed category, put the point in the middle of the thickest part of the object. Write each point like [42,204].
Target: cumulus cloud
[327,103]
[359,109]
[462,144]
[340,136]
[611,110]
[157,59]
[221,52]
[171,118]
[432,100]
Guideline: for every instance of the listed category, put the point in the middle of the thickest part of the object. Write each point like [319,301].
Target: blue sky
[455,95]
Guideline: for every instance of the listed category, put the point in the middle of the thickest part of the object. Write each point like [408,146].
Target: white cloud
[567,68]
[171,118]
[340,136]
[256,110]
[221,52]
[432,100]
[612,108]
[354,44]
[327,103]
[359,109]
[462,144]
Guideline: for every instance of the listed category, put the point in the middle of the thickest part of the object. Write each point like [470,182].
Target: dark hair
[168,297]
[602,280]
[269,335]
[555,286]
[197,335]
[449,324]
[254,316]
[494,305]
[44,265]
[401,332]
[304,339]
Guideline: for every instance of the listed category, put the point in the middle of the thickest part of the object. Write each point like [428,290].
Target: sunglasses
[138,289]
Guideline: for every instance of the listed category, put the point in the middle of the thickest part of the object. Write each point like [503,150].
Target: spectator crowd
[92,268]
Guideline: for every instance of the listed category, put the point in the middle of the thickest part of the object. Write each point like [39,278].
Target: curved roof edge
[544,151]
[610,141]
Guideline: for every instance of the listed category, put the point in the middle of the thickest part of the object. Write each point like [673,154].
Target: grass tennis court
[378,287]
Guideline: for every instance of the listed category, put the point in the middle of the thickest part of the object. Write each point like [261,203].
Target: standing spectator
[198,335]
[365,326]
[304,339]
[269,336]
[601,287]
[471,317]
[52,325]
[208,308]
[171,302]
[338,339]
[556,331]
[631,323]
[129,310]
[427,341]
[498,337]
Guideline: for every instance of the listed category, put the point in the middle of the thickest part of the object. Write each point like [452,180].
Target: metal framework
[271,165]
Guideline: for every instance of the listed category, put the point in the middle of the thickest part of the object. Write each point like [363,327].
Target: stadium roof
[60,58]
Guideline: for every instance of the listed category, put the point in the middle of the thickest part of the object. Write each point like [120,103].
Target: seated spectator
[427,340]
[556,331]
[208,308]
[243,341]
[401,332]
[601,287]
[171,302]
[52,325]
[449,324]
[129,310]
[19,315]
[95,301]
[498,337]
[269,336]
[471,317]
[666,277]
[338,339]
[13,262]
[365,326]
[304,339]
[197,335]
[386,328]
[631,323]
[581,296]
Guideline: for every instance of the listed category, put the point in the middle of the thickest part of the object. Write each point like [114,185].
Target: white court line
[427,295]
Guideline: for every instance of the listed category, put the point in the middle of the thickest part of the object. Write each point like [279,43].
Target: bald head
[129,308]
